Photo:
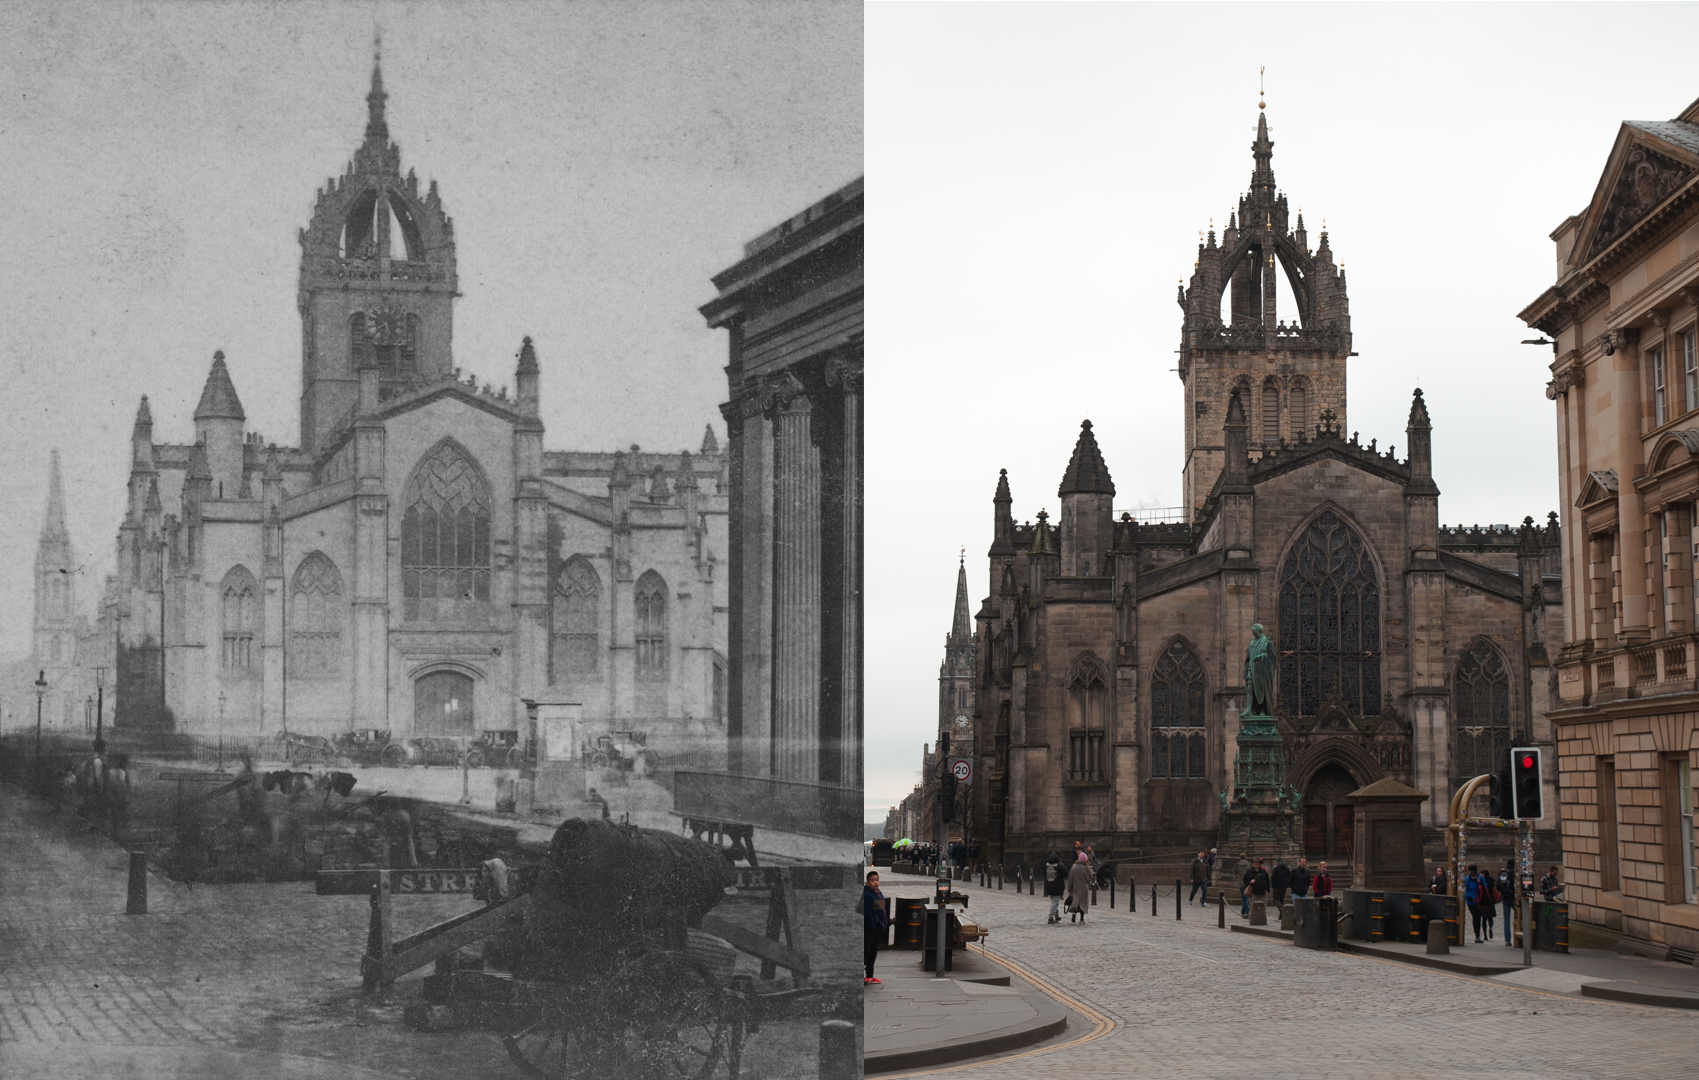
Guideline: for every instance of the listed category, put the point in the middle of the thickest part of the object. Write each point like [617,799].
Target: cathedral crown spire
[376,126]
[1262,152]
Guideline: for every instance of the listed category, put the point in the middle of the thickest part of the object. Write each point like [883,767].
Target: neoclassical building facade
[420,563]
[1623,316]
[1109,652]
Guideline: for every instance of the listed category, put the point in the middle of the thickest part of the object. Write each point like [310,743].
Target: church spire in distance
[376,126]
[961,628]
[53,529]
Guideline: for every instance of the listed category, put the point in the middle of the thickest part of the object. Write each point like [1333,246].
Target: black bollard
[838,1057]
[1111,892]
[1153,901]
[1176,899]
[1221,912]
[1132,895]
[137,904]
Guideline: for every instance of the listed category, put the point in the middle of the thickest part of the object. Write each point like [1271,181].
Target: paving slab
[915,1019]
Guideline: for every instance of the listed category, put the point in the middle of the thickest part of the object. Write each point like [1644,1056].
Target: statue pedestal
[1259,821]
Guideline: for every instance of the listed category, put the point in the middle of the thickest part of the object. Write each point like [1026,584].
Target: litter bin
[1551,926]
[911,914]
[1316,922]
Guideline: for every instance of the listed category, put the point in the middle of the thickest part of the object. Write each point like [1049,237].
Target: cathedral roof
[1086,471]
[218,399]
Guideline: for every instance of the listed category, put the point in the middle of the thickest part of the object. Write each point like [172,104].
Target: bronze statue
[1259,674]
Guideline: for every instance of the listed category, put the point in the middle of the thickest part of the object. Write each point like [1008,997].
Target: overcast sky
[600,161]
[1038,177]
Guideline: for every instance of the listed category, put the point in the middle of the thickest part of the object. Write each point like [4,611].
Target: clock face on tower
[961,720]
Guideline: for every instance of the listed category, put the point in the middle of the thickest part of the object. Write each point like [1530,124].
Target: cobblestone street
[1191,1000]
[239,980]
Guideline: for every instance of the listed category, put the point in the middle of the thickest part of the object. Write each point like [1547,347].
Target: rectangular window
[1085,755]
[1658,403]
[1608,880]
[1690,367]
[1684,779]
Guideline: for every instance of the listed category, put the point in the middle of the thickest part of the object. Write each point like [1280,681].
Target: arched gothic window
[1270,412]
[578,606]
[1087,704]
[240,620]
[1298,407]
[359,340]
[445,539]
[315,618]
[1176,714]
[1480,704]
[651,598]
[1329,634]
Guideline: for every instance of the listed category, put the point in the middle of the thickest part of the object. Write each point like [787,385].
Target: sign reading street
[961,768]
[401,882]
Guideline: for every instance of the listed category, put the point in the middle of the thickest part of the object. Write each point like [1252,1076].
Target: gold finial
[1261,93]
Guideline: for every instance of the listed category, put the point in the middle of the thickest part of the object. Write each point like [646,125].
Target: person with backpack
[1506,885]
[1200,878]
[1055,884]
[1475,889]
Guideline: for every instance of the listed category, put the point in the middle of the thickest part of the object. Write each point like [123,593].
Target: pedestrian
[1438,883]
[116,788]
[1489,903]
[1322,883]
[1301,878]
[1259,885]
[1211,861]
[1242,871]
[1281,879]
[875,924]
[1551,889]
[1507,895]
[1079,888]
[1055,884]
[1200,878]
[1474,890]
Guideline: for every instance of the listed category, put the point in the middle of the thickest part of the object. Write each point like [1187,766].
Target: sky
[601,162]
[1038,176]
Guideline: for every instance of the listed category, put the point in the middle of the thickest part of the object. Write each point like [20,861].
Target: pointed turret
[1262,152]
[377,128]
[961,627]
[218,423]
[1086,470]
[526,377]
[1002,522]
[710,444]
[218,396]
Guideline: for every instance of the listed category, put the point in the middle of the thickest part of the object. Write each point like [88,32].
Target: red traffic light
[1527,761]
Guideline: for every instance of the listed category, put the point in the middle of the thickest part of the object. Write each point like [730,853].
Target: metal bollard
[1153,901]
[1111,892]
[839,1059]
[137,904]
[1132,895]
[1221,912]
[1176,899]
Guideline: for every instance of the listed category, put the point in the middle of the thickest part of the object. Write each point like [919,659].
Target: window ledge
[1085,783]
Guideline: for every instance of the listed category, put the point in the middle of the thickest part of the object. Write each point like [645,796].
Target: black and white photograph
[432,634]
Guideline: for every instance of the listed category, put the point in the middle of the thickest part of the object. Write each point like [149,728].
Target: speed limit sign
[961,768]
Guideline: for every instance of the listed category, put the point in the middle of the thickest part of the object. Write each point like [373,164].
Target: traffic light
[947,794]
[1526,782]
[1499,788]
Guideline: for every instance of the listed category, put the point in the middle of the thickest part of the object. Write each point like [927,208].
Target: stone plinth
[1260,821]
[1388,837]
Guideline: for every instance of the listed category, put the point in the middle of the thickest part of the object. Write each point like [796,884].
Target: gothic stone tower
[1288,371]
[377,282]
[956,673]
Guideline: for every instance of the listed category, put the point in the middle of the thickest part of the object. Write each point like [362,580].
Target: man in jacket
[1200,878]
[1242,869]
[1506,884]
[1055,884]
[1301,878]
[1258,886]
[1281,879]
[875,923]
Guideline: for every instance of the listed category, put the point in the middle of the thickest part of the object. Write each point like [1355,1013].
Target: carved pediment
[1599,486]
[1644,179]
[1333,717]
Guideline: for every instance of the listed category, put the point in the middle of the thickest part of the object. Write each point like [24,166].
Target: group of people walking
[1259,884]
[99,786]
[1485,893]
[1068,886]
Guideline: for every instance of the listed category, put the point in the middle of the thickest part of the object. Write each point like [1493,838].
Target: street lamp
[99,708]
[88,714]
[40,692]
[221,731]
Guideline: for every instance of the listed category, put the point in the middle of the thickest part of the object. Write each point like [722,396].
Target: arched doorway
[442,704]
[1328,818]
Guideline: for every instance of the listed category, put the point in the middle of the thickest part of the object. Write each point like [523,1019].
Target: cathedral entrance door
[1328,817]
[442,704]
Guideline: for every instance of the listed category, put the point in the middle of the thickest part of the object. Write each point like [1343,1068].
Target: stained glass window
[1329,621]
[1176,714]
[240,611]
[578,603]
[1480,706]
[315,618]
[651,598]
[445,539]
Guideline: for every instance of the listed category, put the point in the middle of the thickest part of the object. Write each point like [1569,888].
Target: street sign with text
[962,769]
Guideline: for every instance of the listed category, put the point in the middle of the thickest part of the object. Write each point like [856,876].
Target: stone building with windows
[1109,653]
[420,563]
[1623,316]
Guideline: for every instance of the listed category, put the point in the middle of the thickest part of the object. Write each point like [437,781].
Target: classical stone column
[1631,519]
[848,376]
[749,630]
[796,581]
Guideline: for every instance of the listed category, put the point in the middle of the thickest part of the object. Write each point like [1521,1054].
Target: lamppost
[40,692]
[221,731]
[99,708]
[88,715]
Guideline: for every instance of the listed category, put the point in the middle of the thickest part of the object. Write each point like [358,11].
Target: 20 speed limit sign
[961,768]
